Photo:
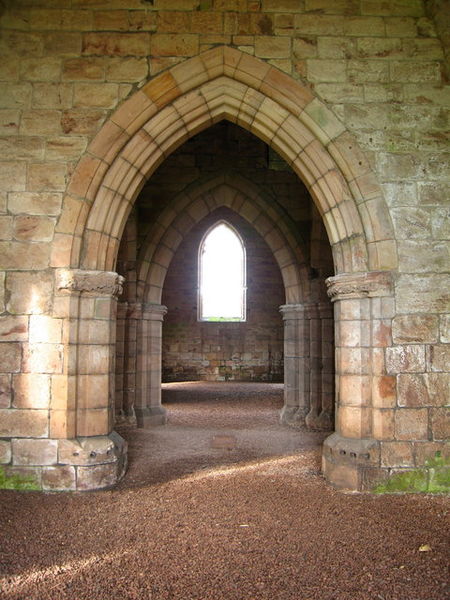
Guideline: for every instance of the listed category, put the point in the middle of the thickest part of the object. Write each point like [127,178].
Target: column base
[322,422]
[80,464]
[152,416]
[292,415]
[351,464]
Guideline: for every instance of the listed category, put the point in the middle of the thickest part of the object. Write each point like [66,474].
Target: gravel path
[223,503]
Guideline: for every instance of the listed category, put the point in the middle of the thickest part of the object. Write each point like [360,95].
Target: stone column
[315,381]
[148,409]
[296,364]
[87,447]
[351,455]
[325,420]
[119,413]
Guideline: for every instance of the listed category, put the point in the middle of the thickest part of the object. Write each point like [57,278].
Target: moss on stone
[16,482]
[433,478]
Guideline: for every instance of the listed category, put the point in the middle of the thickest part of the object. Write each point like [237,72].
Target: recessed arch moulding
[223,83]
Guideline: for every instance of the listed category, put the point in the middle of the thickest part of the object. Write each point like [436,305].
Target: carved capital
[97,283]
[291,312]
[153,312]
[359,285]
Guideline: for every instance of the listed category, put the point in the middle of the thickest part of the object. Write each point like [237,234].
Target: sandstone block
[29,292]
[52,95]
[34,452]
[6,229]
[397,454]
[121,44]
[42,358]
[92,95]
[427,450]
[439,357]
[22,148]
[425,293]
[58,479]
[411,424]
[384,391]
[82,122]
[364,26]
[17,255]
[126,69]
[206,22]
[23,423]
[5,452]
[9,121]
[267,46]
[62,44]
[13,329]
[40,122]
[15,95]
[383,424]
[416,257]
[405,359]
[31,390]
[12,176]
[93,422]
[429,389]
[414,72]
[45,329]
[34,203]
[5,390]
[47,177]
[444,328]
[46,68]
[115,20]
[33,228]
[440,423]
[367,71]
[86,451]
[11,357]
[96,477]
[165,44]
[84,69]
[411,8]
[400,27]
[65,148]
[326,25]
[31,474]
[62,424]
[412,223]
[410,329]
[304,47]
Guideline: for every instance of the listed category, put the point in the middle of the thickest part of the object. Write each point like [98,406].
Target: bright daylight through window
[222,275]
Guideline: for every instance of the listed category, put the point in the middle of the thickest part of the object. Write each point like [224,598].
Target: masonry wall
[381,70]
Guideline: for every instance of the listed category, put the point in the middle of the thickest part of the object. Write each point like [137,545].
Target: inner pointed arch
[222,274]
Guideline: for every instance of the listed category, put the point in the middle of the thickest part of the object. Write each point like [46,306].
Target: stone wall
[367,79]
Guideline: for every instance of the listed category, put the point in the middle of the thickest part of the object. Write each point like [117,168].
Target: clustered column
[308,372]
[363,306]
[148,407]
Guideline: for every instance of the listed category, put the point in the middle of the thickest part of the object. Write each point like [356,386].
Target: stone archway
[224,83]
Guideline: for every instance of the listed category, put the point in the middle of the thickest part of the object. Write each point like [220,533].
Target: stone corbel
[97,283]
[153,312]
[359,285]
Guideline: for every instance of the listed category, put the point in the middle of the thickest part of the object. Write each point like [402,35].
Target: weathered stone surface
[33,228]
[34,452]
[31,390]
[428,389]
[397,454]
[87,451]
[411,424]
[5,452]
[440,422]
[121,44]
[11,357]
[97,476]
[23,423]
[439,357]
[29,292]
[5,390]
[13,329]
[424,293]
[407,329]
[59,478]
[405,359]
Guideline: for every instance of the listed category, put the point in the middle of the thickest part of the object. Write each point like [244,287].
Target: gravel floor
[223,503]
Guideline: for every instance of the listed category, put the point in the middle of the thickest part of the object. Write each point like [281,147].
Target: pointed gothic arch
[224,83]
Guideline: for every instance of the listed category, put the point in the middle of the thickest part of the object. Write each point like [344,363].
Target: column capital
[97,283]
[359,285]
[153,312]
